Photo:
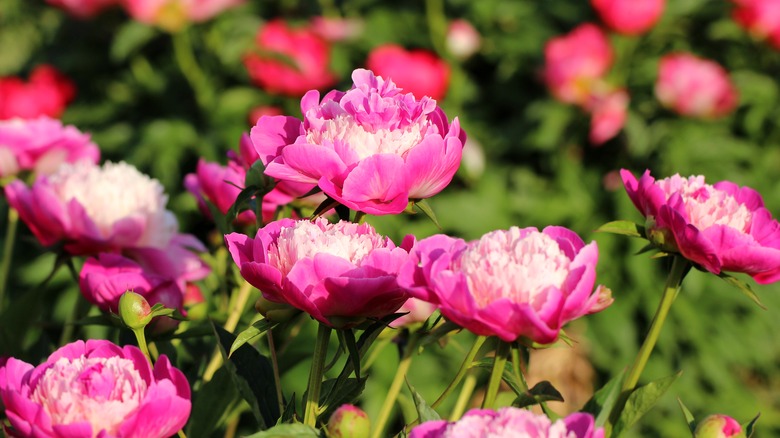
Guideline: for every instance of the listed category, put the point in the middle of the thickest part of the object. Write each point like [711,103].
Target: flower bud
[719,426]
[349,421]
[134,310]
[275,312]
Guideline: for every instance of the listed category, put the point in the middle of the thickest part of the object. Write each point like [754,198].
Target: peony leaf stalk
[499,364]
[464,368]
[395,386]
[315,376]
[8,250]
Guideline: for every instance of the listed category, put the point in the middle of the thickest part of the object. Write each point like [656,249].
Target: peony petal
[378,185]
[272,133]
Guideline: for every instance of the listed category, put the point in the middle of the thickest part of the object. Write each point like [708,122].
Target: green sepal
[624,228]
[750,427]
[422,205]
[688,416]
[743,287]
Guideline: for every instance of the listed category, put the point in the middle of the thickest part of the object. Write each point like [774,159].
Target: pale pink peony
[509,423]
[94,209]
[608,113]
[463,40]
[419,72]
[340,274]
[576,62]
[289,61]
[94,389]
[46,93]
[372,148]
[83,8]
[41,145]
[721,227]
[718,426]
[338,29]
[695,87]
[629,17]
[173,15]
[761,18]
[511,284]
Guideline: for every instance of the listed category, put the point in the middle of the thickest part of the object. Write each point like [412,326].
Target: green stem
[275,366]
[437,24]
[464,368]
[8,252]
[680,267]
[188,64]
[230,325]
[140,336]
[395,386]
[499,365]
[315,376]
[465,395]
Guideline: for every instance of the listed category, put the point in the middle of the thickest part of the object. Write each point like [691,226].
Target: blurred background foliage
[539,169]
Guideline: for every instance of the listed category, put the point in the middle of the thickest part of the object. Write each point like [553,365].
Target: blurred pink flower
[41,145]
[419,72]
[509,423]
[47,93]
[93,209]
[94,389]
[718,426]
[289,61]
[372,148]
[576,62]
[340,274]
[511,284]
[760,17]
[463,40]
[629,17]
[83,8]
[337,29]
[260,111]
[608,112]
[173,15]
[721,227]
[695,87]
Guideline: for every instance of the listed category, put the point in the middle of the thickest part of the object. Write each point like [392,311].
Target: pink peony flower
[721,227]
[173,15]
[372,148]
[289,61]
[83,8]
[47,93]
[419,72]
[629,17]
[510,284]
[41,145]
[94,209]
[575,63]
[417,311]
[761,18]
[339,273]
[695,87]
[509,423]
[94,389]
[337,29]
[718,426]
[608,115]
[463,40]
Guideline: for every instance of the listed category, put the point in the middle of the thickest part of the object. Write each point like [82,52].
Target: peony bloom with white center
[94,389]
[93,208]
[372,148]
[510,283]
[510,423]
[340,273]
[721,227]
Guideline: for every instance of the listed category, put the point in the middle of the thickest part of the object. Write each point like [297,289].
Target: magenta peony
[94,389]
[289,61]
[510,423]
[173,15]
[47,93]
[372,148]
[629,17]
[419,72]
[339,273]
[83,8]
[695,87]
[760,17]
[511,284]
[721,227]
[41,145]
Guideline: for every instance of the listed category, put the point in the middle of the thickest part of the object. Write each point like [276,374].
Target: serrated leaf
[743,287]
[212,405]
[250,333]
[296,430]
[624,228]
[688,416]
[543,391]
[750,427]
[600,405]
[641,400]
[424,411]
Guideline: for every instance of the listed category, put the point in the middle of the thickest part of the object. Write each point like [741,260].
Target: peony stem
[140,336]
[499,365]
[188,64]
[230,325]
[465,395]
[315,376]
[8,250]
[395,386]
[275,365]
[464,368]
[680,267]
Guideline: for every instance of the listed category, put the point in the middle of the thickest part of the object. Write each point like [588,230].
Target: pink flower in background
[417,311]
[722,227]
[94,209]
[260,111]
[173,15]
[760,17]
[463,40]
[511,284]
[608,112]
[576,63]
[94,389]
[629,17]
[718,426]
[695,87]
[339,273]
[41,145]
[509,423]
[419,72]
[83,8]
[289,61]
[47,93]
[338,29]
[372,148]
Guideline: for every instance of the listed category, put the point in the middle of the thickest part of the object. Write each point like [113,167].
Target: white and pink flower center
[506,264]
[350,241]
[707,206]
[101,391]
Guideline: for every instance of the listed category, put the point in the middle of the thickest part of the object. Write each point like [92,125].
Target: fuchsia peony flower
[509,423]
[83,8]
[608,115]
[694,86]
[761,18]
[372,148]
[47,93]
[41,145]
[721,227]
[173,15]
[339,273]
[419,72]
[510,284]
[94,389]
[93,208]
[463,40]
[629,17]
[289,61]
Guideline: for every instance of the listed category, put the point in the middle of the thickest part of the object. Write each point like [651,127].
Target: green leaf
[688,416]
[508,375]
[242,201]
[289,415]
[543,391]
[438,333]
[256,329]
[424,411]
[600,405]
[423,206]
[625,228]
[743,287]
[326,205]
[351,347]
[294,430]
[256,176]
[641,400]
[212,405]
[129,38]
[750,427]
[336,393]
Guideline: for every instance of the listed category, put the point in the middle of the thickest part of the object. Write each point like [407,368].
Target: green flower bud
[349,421]
[275,312]
[719,426]
[134,310]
